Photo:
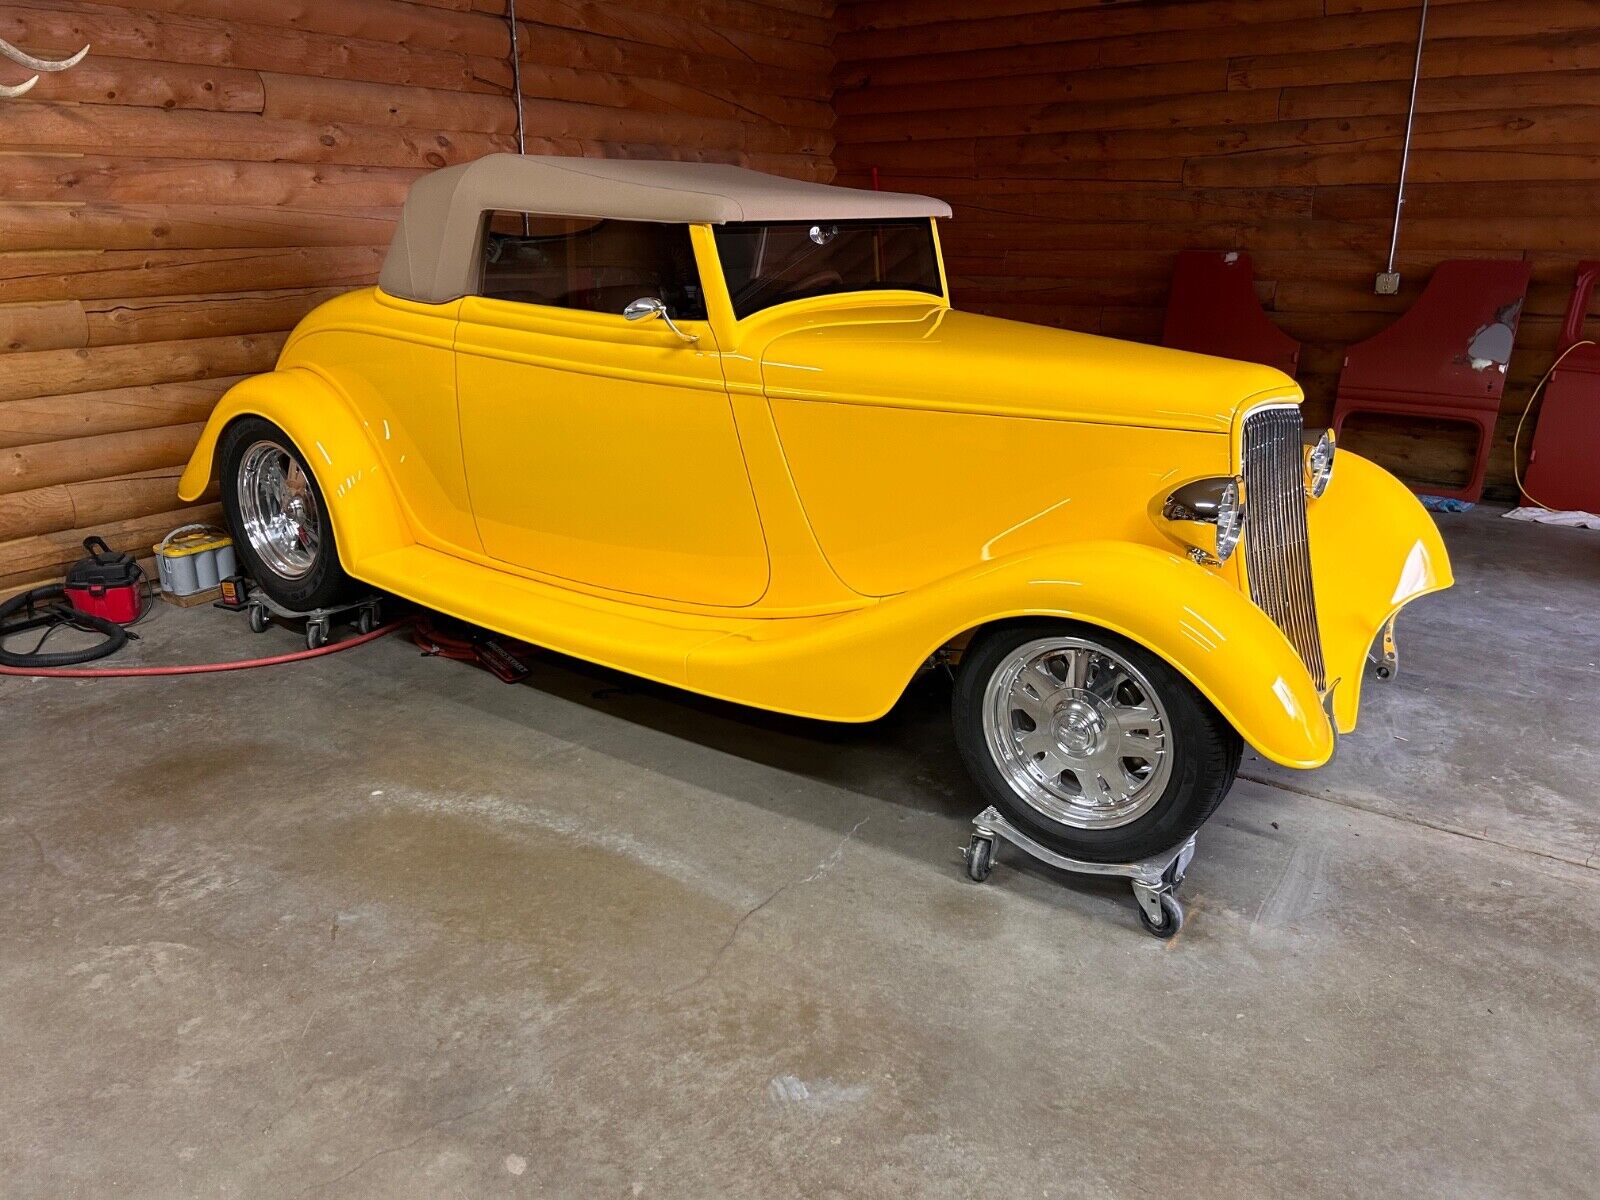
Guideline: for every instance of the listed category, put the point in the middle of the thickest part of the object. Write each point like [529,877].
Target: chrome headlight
[1319,464]
[1207,516]
[1230,519]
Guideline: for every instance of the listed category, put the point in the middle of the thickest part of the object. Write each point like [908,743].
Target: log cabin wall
[215,168]
[1084,142]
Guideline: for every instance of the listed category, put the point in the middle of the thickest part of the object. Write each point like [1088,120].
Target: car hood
[933,357]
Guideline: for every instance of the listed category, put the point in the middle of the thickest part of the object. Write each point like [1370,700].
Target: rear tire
[279,518]
[1088,742]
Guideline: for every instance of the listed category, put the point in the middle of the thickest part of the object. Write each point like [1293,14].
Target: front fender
[1374,549]
[335,445]
[854,667]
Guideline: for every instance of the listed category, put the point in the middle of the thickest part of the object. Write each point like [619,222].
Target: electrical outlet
[1387,283]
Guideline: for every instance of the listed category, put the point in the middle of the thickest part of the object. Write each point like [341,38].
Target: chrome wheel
[278,510]
[1078,733]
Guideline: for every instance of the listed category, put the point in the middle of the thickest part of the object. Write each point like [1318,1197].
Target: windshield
[772,262]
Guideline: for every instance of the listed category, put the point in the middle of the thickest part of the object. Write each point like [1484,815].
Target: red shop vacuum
[101,594]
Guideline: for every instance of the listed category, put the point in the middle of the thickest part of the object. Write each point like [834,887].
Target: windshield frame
[878,293]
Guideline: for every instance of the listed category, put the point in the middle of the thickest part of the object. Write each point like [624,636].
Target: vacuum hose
[115,635]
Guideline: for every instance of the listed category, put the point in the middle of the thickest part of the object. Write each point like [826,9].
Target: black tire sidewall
[326,583]
[1205,749]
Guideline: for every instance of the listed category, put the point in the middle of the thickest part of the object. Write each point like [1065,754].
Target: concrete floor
[382,926]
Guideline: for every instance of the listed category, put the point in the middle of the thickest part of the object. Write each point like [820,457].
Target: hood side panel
[899,497]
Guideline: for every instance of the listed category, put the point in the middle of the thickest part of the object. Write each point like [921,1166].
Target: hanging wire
[516,88]
[516,74]
[1405,150]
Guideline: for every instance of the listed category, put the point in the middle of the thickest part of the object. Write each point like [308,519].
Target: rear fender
[335,445]
[855,666]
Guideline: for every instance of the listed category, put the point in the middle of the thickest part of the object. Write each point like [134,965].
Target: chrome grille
[1277,550]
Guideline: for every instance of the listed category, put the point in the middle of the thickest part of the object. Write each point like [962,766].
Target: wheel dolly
[319,621]
[1155,879]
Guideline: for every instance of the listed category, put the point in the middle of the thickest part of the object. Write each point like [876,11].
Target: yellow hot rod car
[725,431]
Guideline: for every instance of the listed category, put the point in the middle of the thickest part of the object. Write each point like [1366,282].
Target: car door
[602,450]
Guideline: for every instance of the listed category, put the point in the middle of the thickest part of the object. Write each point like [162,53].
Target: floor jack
[1155,880]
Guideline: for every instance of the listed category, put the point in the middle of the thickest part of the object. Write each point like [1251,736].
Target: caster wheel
[980,859]
[367,619]
[316,635]
[258,619]
[1171,917]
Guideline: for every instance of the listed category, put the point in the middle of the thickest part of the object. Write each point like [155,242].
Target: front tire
[278,517]
[1088,742]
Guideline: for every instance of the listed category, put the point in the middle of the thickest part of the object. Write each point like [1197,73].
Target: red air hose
[243,664]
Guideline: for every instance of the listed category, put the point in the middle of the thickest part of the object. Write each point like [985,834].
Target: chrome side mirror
[648,308]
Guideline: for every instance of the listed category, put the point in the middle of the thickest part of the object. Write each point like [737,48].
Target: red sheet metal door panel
[1213,309]
[1563,469]
[1445,358]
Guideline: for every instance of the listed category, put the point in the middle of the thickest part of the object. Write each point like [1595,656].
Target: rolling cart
[362,613]
[1155,880]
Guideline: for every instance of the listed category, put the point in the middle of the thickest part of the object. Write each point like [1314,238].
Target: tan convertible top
[434,254]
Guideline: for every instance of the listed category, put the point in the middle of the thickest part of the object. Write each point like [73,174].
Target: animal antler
[7,50]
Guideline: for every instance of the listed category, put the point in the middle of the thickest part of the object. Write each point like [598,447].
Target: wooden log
[1477,198]
[169,318]
[552,47]
[1574,50]
[62,372]
[1117,83]
[87,274]
[1094,200]
[45,556]
[1315,46]
[90,502]
[1434,95]
[898,14]
[803,21]
[728,29]
[672,32]
[112,226]
[303,98]
[1325,166]
[60,324]
[821,9]
[56,325]
[593,122]
[1159,112]
[1352,137]
[244,137]
[645,93]
[85,414]
[1486,236]
[960,159]
[26,468]
[1071,24]
[179,185]
[164,37]
[405,24]
[144,84]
